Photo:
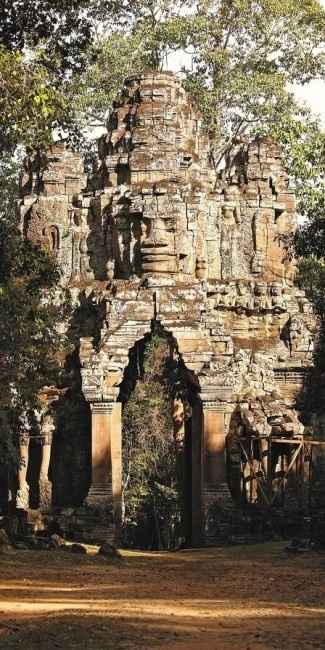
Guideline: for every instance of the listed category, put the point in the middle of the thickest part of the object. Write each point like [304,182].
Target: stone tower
[159,236]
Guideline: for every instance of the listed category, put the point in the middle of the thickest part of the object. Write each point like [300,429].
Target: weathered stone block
[158,237]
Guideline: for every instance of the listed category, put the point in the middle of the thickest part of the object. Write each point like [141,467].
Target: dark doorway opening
[156,397]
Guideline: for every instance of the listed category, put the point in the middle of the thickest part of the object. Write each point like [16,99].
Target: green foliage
[303,143]
[244,53]
[112,61]
[62,27]
[40,44]
[311,277]
[151,482]
[9,186]
[29,104]
[29,341]
[304,149]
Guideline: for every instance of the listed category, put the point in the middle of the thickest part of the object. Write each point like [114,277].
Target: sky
[314,93]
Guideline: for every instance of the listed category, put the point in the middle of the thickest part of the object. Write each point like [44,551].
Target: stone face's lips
[158,256]
[153,246]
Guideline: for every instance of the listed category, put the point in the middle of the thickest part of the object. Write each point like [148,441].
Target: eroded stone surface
[160,237]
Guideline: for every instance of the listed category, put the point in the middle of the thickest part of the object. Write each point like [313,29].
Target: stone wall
[162,237]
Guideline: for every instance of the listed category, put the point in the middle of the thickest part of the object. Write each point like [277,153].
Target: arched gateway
[158,236]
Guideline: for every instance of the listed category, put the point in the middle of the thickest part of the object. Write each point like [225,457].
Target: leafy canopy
[243,51]
[30,105]
[29,340]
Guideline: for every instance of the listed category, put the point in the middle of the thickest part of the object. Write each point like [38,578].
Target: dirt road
[239,598]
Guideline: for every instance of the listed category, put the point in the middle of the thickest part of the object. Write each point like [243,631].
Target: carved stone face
[158,253]
[260,289]
[305,306]
[295,326]
[143,245]
[276,289]
[242,288]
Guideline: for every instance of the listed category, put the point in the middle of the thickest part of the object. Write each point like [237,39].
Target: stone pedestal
[104,496]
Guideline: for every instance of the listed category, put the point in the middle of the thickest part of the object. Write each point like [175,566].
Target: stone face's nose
[157,236]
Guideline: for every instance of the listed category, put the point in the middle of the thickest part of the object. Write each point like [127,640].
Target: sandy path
[240,598]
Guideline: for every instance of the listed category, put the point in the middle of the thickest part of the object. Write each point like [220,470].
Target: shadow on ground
[239,598]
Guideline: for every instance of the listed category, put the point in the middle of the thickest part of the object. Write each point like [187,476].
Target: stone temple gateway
[158,236]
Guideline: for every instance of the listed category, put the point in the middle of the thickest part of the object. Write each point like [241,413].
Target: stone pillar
[106,451]
[44,483]
[214,444]
[115,433]
[22,495]
[216,494]
[182,439]
[197,537]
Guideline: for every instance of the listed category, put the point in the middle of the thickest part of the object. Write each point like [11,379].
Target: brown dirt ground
[237,598]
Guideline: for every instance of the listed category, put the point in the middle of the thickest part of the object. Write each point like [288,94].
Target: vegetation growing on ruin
[29,340]
[152,454]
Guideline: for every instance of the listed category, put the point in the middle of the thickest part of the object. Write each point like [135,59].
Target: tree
[244,54]
[111,61]
[29,340]
[9,186]
[30,104]
[42,43]
[304,150]
[62,28]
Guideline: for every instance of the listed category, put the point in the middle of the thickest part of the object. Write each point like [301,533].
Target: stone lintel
[102,407]
[220,407]
[217,394]
[92,396]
